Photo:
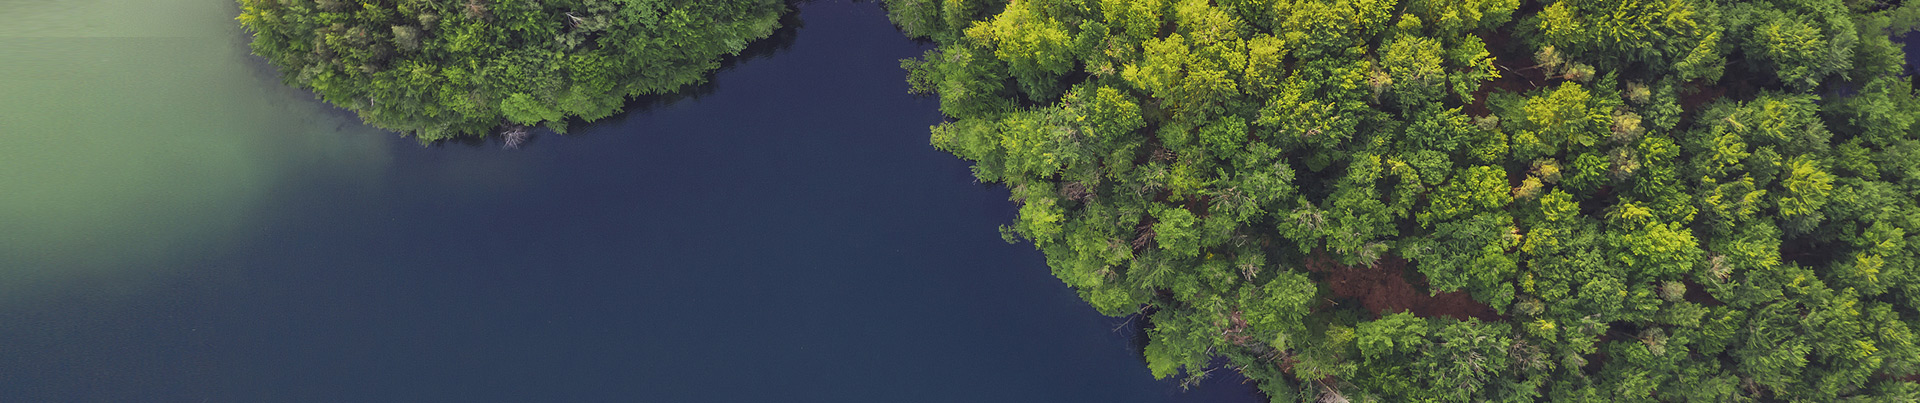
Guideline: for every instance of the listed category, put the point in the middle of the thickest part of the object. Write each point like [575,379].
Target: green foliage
[1472,253]
[1667,200]
[1800,42]
[1678,36]
[444,68]
[1400,333]
[1175,233]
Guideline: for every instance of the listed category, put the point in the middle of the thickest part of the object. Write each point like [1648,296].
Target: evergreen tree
[1670,200]
[438,69]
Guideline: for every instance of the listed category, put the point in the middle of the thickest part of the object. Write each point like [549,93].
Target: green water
[139,135]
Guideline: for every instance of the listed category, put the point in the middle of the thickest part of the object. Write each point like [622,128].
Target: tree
[439,69]
[1364,200]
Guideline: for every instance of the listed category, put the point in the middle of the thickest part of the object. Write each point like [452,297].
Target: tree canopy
[1478,200]
[444,68]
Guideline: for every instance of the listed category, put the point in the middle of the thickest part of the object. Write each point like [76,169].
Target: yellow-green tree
[438,69]
[1652,200]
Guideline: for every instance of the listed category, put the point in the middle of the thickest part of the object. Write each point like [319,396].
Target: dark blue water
[786,235]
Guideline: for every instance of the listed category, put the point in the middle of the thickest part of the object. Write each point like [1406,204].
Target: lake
[180,227]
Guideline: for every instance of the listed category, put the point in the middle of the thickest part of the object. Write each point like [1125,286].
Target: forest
[441,69]
[1461,200]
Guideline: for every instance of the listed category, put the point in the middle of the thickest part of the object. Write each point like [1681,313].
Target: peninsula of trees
[444,68]
[1462,200]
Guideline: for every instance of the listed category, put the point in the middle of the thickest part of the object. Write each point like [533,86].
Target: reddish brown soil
[1384,289]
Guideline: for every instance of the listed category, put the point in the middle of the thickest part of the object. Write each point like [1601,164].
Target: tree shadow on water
[1221,384]
[779,41]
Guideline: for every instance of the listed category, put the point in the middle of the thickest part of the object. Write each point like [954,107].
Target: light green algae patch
[139,134]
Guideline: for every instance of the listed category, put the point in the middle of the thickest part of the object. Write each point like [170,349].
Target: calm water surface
[175,226]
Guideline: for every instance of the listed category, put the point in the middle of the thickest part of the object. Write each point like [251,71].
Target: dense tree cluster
[1655,200]
[445,68]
